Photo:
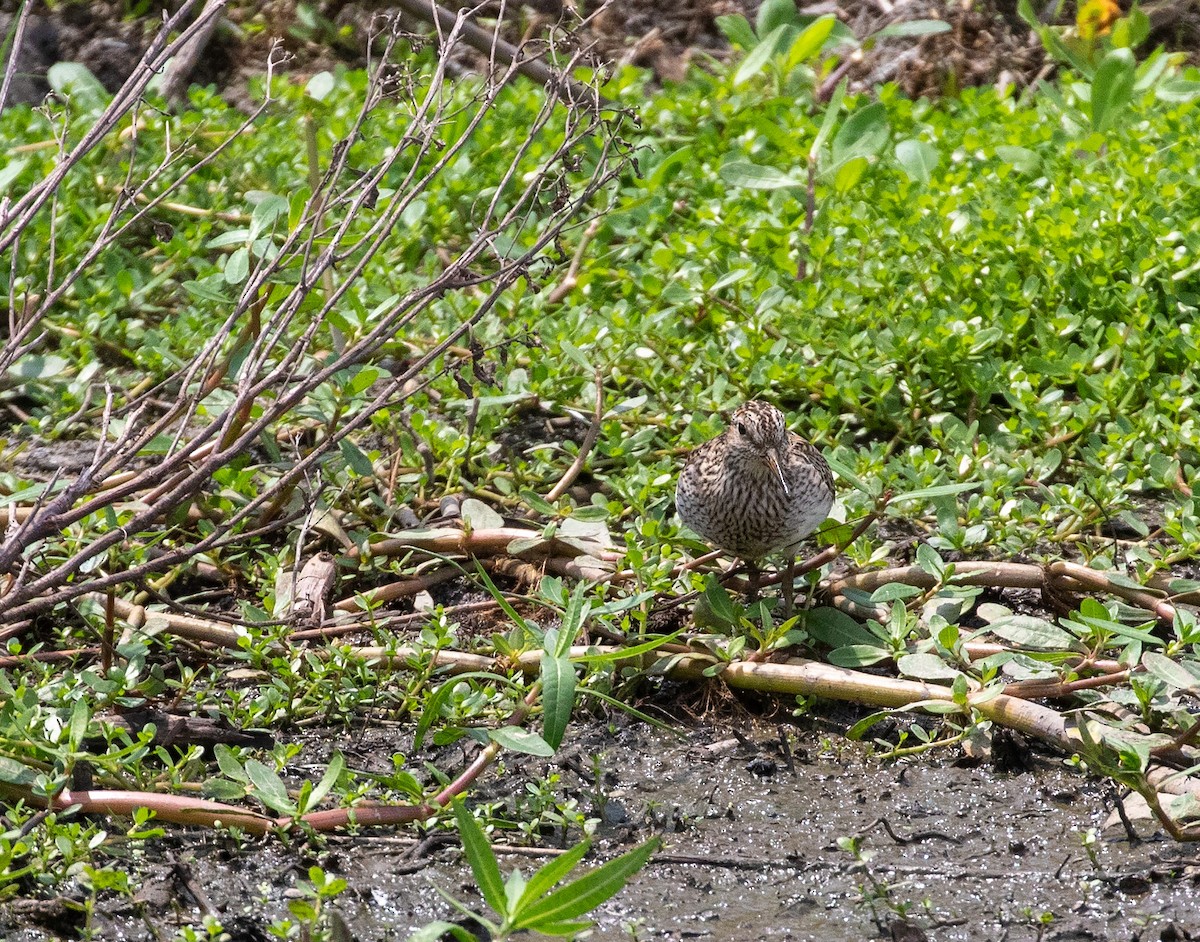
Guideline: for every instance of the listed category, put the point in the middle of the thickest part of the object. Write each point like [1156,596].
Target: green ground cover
[995,323]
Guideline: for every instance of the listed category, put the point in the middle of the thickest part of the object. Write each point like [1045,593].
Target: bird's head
[759,435]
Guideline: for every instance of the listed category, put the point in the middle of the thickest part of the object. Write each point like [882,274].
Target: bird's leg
[752,576]
[789,587]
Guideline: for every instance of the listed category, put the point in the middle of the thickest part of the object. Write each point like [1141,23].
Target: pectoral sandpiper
[755,489]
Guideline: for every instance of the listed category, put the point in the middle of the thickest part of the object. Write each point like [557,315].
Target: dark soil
[988,43]
[949,851]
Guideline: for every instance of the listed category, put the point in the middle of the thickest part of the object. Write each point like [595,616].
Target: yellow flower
[1096,17]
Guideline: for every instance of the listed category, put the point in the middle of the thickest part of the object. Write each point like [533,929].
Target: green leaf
[835,628]
[585,894]
[926,667]
[863,134]
[573,618]
[893,591]
[479,516]
[719,603]
[14,773]
[755,177]
[1174,675]
[1178,90]
[237,268]
[930,562]
[319,86]
[849,173]
[480,857]
[772,14]
[521,740]
[269,207]
[355,459]
[558,693]
[78,725]
[941,490]
[337,765]
[1026,12]
[1031,632]
[918,159]
[228,764]
[75,81]
[537,503]
[1112,88]
[829,121]
[736,28]
[811,39]
[859,729]
[914,28]
[634,651]
[761,54]
[1022,158]
[437,931]
[40,366]
[10,171]
[858,655]
[545,877]
[432,709]
[269,787]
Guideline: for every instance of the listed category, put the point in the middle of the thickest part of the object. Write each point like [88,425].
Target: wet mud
[754,817]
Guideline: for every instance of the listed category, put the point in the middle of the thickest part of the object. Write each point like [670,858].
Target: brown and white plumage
[757,488]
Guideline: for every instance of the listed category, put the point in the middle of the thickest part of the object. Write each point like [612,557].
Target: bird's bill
[776,467]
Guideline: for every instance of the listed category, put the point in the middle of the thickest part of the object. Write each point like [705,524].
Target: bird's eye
[741,427]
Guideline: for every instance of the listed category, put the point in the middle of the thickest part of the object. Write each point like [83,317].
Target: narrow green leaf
[78,725]
[558,695]
[829,121]
[585,894]
[337,765]
[1178,90]
[438,930]
[941,490]
[546,877]
[498,596]
[573,618]
[1112,88]
[811,39]
[480,857]
[634,651]
[537,503]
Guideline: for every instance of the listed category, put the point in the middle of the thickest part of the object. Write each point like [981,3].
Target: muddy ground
[959,851]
